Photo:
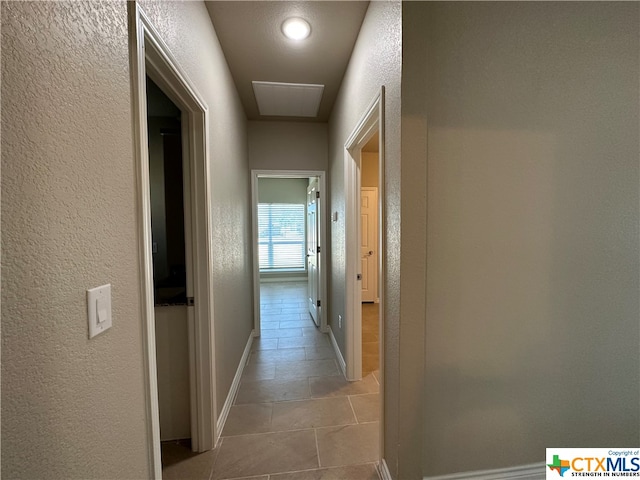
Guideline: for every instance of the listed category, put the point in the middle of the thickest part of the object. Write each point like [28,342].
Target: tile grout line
[215,457]
[329,467]
[353,410]
[363,394]
[271,417]
[315,433]
[295,430]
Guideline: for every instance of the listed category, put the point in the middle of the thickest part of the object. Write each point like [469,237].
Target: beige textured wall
[282,190]
[172,354]
[288,146]
[71,407]
[187,30]
[369,169]
[156,184]
[376,61]
[533,218]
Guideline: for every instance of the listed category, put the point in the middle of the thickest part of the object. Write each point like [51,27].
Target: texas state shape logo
[560,466]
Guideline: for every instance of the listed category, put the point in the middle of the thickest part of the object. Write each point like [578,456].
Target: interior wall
[157,186]
[369,169]
[533,206]
[172,353]
[282,190]
[71,407]
[376,61]
[186,28]
[287,146]
[72,175]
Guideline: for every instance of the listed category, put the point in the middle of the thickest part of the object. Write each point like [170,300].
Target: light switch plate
[99,309]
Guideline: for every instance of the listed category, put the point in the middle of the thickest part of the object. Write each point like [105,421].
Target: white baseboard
[341,362]
[383,470]
[535,471]
[233,391]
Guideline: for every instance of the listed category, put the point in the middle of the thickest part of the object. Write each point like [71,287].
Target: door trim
[371,121]
[322,267]
[149,55]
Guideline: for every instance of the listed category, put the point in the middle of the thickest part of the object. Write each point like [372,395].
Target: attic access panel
[288,99]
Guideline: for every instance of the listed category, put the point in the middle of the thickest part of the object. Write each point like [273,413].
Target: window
[281,236]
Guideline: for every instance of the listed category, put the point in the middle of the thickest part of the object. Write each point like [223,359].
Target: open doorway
[313,250]
[365,219]
[289,263]
[369,253]
[168,212]
[150,59]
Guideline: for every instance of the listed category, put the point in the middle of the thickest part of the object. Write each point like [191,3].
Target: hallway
[295,416]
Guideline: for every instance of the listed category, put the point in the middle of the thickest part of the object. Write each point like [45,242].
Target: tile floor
[295,416]
[370,338]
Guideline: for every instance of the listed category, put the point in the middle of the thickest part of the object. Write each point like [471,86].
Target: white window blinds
[281,236]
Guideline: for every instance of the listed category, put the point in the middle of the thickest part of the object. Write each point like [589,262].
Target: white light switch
[99,309]
[101,306]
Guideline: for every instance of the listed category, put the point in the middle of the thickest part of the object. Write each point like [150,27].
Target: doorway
[369,253]
[368,134]
[289,235]
[313,249]
[151,58]
[171,270]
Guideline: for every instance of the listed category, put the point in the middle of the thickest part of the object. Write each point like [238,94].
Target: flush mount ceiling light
[296,28]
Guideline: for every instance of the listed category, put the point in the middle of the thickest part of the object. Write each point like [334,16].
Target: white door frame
[150,56]
[255,174]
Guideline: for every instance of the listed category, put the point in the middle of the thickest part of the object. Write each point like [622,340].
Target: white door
[369,243]
[313,254]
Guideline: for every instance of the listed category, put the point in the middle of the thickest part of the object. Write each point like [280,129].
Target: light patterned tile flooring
[370,338]
[295,416]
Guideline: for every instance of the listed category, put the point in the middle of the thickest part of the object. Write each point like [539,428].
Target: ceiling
[256,49]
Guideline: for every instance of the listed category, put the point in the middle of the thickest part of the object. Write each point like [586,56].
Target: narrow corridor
[295,416]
